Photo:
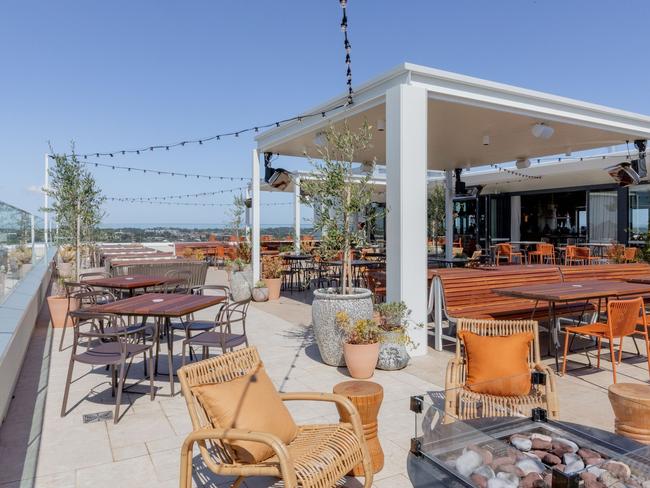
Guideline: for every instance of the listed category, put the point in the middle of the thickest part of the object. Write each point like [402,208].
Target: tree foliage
[337,193]
[436,211]
[74,192]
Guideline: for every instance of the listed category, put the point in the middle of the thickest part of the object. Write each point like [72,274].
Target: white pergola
[436,120]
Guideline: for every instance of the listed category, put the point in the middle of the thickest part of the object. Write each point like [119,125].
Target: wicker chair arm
[339,400]
[551,392]
[279,448]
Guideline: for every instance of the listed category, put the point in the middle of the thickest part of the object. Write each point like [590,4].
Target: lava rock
[620,470]
[551,459]
[541,444]
[568,445]
[478,480]
[468,462]
[520,442]
[504,460]
[530,465]
[575,467]
[532,480]
[541,437]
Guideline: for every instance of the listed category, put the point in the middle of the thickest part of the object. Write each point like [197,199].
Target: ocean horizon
[172,225]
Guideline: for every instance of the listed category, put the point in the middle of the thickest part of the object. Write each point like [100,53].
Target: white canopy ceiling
[461,111]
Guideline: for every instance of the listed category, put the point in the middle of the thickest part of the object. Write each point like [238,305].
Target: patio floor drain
[97,417]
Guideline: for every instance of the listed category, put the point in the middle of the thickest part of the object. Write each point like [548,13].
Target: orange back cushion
[498,365]
[250,403]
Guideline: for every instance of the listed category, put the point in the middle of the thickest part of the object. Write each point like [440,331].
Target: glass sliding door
[603,216]
[639,213]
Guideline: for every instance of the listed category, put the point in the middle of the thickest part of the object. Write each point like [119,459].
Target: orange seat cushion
[249,403]
[497,365]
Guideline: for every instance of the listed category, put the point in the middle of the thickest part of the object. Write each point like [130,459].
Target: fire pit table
[518,450]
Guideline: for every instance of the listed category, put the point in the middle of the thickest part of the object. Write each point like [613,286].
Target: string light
[218,137]
[187,195]
[348,47]
[162,172]
[515,173]
[186,204]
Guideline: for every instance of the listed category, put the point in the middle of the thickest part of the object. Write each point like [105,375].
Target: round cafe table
[367,397]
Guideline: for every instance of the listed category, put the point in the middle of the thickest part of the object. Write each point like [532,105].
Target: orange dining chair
[543,253]
[504,250]
[630,254]
[622,319]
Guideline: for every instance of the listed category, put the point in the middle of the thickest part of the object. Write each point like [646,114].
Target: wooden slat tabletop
[639,279]
[171,305]
[129,282]
[576,290]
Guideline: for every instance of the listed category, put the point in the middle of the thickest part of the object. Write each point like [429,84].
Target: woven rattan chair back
[624,315]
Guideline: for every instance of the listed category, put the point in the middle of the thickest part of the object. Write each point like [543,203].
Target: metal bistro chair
[93,274]
[105,339]
[190,326]
[181,283]
[222,334]
[72,289]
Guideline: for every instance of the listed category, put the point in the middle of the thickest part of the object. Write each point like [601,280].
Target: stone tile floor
[38,448]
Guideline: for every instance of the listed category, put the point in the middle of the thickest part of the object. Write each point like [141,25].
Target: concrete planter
[260,294]
[361,359]
[327,303]
[392,353]
[241,285]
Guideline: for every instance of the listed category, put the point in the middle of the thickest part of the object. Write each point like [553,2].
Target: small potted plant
[361,341]
[272,274]
[260,291]
[393,321]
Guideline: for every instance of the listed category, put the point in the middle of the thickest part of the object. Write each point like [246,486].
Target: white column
[406,198]
[255,216]
[449,213]
[46,185]
[296,214]
[515,218]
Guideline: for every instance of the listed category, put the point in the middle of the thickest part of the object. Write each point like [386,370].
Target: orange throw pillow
[249,403]
[497,365]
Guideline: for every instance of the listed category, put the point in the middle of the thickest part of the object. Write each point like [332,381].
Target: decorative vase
[260,294]
[240,287]
[392,353]
[274,285]
[361,359]
[326,304]
[58,307]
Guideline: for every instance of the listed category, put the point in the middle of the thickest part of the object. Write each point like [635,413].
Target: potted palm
[272,275]
[362,339]
[260,291]
[393,320]
[335,186]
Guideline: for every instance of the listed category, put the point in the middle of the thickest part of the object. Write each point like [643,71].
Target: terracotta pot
[273,284]
[361,359]
[58,306]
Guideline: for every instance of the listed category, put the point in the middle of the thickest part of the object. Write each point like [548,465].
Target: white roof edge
[447,76]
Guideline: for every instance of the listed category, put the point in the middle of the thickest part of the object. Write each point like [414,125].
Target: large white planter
[327,303]
[241,285]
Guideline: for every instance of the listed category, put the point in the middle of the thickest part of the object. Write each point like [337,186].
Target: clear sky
[123,73]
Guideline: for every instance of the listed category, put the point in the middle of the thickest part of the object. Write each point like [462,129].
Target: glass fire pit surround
[520,448]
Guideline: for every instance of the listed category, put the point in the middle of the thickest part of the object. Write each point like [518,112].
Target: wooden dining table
[165,306]
[575,291]
[130,283]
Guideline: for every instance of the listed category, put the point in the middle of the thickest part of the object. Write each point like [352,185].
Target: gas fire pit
[519,451]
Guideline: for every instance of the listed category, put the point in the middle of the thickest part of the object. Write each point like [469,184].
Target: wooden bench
[604,271]
[468,293]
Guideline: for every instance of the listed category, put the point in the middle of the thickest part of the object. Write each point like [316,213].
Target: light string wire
[216,137]
[348,47]
[188,204]
[515,173]
[174,197]
[164,172]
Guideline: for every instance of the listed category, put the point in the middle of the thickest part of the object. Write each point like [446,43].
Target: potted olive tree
[272,275]
[393,320]
[338,194]
[77,206]
[362,339]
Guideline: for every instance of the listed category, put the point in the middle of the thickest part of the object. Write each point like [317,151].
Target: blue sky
[122,74]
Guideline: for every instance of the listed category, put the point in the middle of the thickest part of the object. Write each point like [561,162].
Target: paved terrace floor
[39,448]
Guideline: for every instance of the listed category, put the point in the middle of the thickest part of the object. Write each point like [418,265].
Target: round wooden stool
[367,397]
[631,405]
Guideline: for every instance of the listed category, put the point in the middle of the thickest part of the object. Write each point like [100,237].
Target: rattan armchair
[461,403]
[318,457]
